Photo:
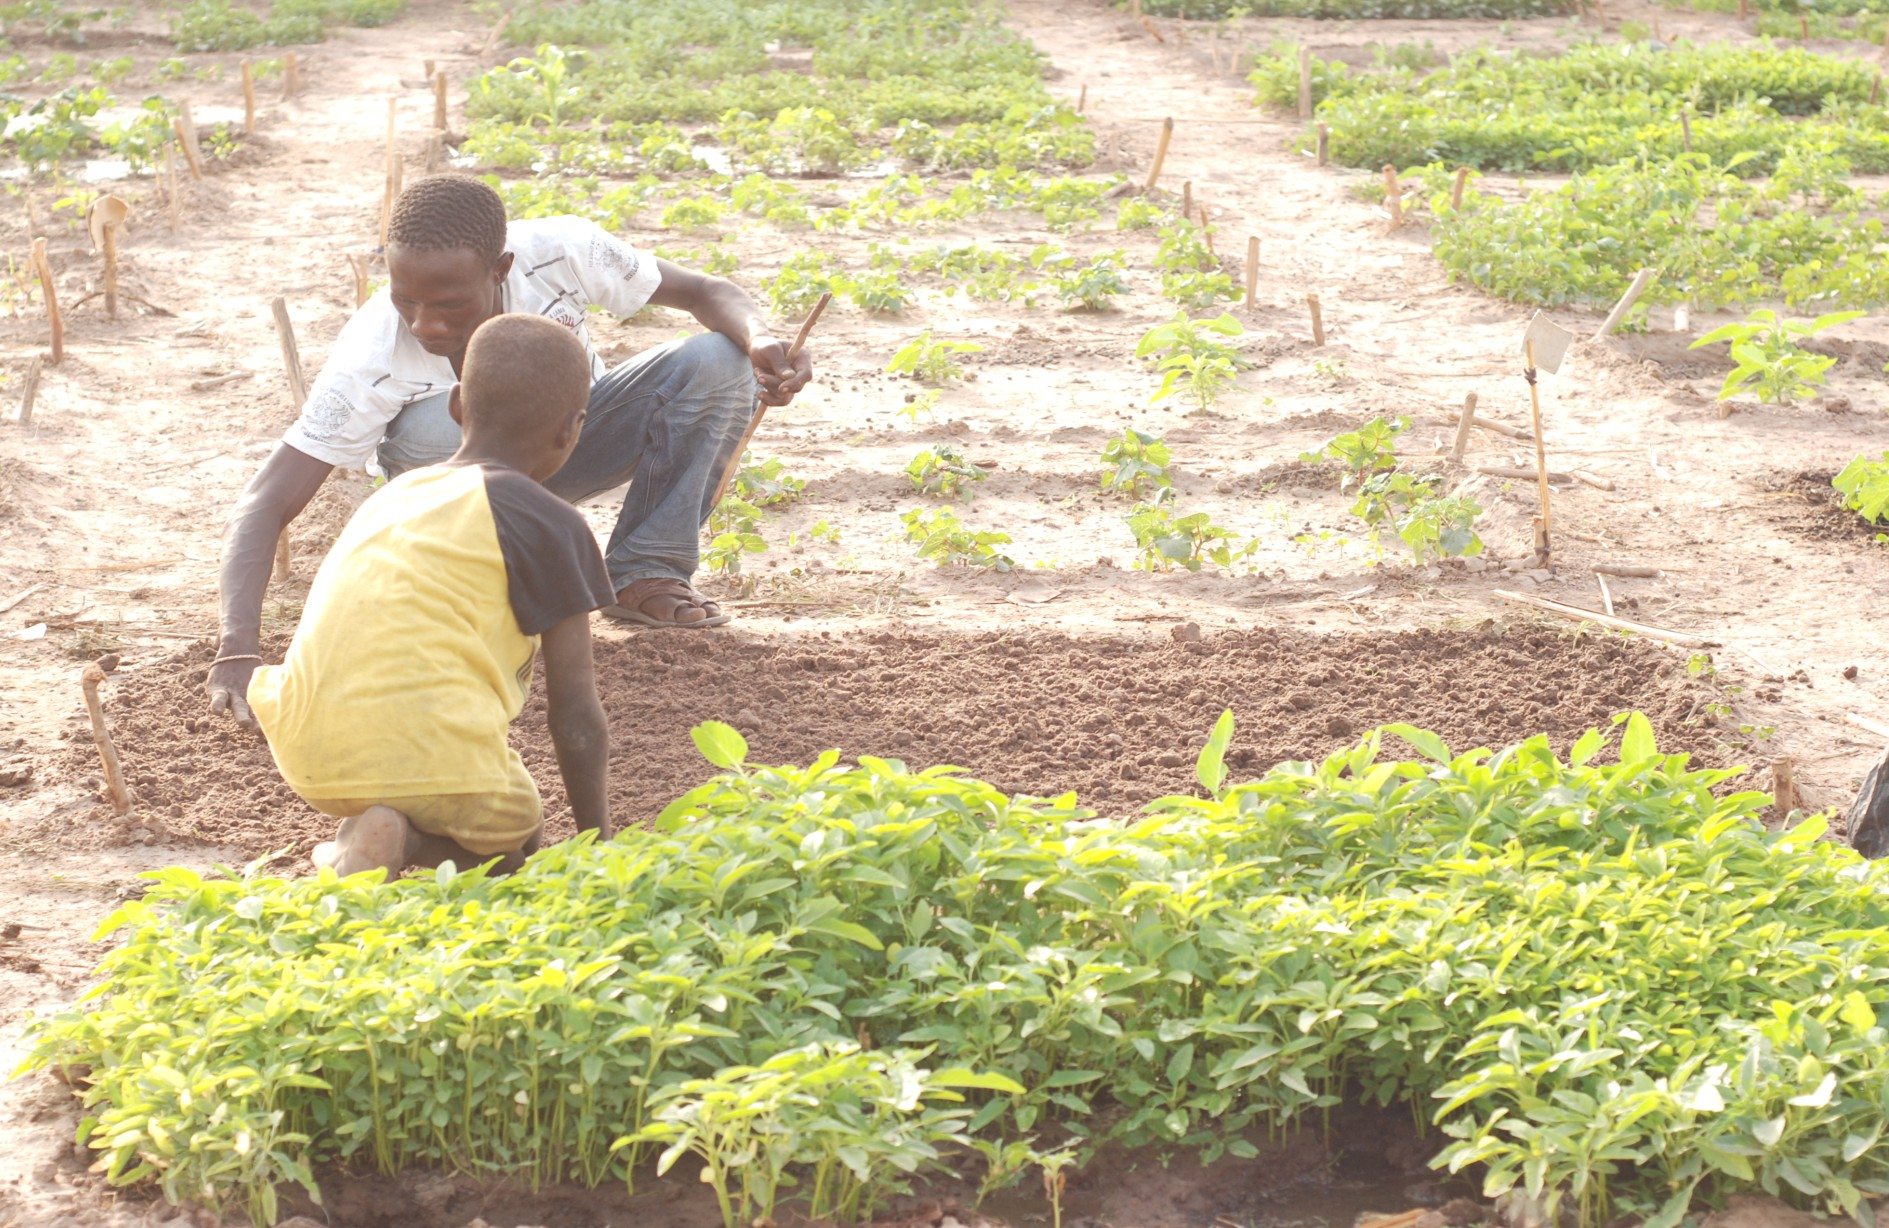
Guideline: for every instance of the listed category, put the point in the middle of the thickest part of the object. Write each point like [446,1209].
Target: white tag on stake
[1551,342]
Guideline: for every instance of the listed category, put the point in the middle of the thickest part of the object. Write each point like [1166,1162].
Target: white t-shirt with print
[561,266]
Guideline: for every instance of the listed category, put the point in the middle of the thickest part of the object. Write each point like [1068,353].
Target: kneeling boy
[415,648]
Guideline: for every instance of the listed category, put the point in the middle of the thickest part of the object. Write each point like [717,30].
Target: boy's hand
[228,685]
[780,378]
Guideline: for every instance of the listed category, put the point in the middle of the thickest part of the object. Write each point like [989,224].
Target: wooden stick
[439,102]
[187,133]
[1641,280]
[1393,196]
[1804,25]
[491,40]
[29,391]
[109,241]
[44,268]
[1606,594]
[760,410]
[1492,426]
[1187,199]
[1863,722]
[291,353]
[101,734]
[1160,153]
[1541,456]
[1639,570]
[1744,10]
[358,264]
[1305,82]
[1875,87]
[1252,271]
[1591,479]
[1518,473]
[1318,320]
[1149,27]
[1685,127]
[1464,421]
[1679,638]
[1206,231]
[249,99]
[291,77]
[1324,144]
[1783,790]
[217,381]
[1456,189]
[1082,99]
[173,203]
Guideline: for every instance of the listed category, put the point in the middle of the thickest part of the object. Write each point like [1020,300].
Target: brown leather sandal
[661,602]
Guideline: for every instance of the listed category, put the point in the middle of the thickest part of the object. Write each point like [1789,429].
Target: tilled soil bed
[1117,720]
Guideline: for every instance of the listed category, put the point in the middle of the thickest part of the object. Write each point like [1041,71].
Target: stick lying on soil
[114,776]
[1678,638]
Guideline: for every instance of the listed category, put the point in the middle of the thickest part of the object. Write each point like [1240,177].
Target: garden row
[1606,984]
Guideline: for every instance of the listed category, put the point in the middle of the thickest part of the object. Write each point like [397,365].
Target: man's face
[443,296]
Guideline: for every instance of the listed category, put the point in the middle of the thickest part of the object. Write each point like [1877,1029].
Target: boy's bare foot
[378,836]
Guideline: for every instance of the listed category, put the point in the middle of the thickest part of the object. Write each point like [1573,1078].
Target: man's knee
[712,363]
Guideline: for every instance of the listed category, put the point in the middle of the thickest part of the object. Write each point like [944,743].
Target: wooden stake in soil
[43,267]
[101,734]
[1187,200]
[1783,791]
[1685,127]
[1149,27]
[1393,196]
[1544,547]
[1606,594]
[393,170]
[173,203]
[1082,99]
[187,137]
[1252,271]
[1463,425]
[298,392]
[1456,189]
[358,265]
[249,99]
[760,410]
[1804,24]
[1160,153]
[1305,83]
[1875,87]
[439,102]
[1744,10]
[1318,320]
[292,79]
[29,391]
[1641,280]
[1323,145]
[1206,231]
[104,218]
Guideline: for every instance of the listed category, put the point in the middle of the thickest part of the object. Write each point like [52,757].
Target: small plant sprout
[940,470]
[1369,449]
[766,483]
[944,539]
[1088,287]
[917,403]
[1768,359]
[1134,462]
[1432,525]
[929,361]
[1864,485]
[1163,539]
[734,530]
[1191,358]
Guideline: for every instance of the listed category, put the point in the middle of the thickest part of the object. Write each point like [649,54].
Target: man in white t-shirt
[666,421]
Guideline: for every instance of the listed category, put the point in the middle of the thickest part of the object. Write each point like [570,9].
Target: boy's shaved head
[523,375]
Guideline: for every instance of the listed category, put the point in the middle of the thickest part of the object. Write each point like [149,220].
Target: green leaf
[720,744]
[1637,743]
[1428,744]
[848,930]
[1210,767]
[990,1082]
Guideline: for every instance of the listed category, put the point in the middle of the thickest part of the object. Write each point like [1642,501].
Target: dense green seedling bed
[1593,106]
[218,25]
[1717,240]
[1605,981]
[1350,9]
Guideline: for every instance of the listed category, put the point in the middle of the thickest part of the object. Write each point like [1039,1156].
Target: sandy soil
[1063,674]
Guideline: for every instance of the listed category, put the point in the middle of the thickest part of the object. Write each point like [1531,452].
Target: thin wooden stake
[1456,189]
[173,203]
[1187,200]
[1324,144]
[435,157]
[1252,271]
[1082,99]
[1149,27]
[1783,790]
[187,137]
[43,267]
[1545,538]
[1679,638]
[101,734]
[1305,83]
[393,171]
[1875,87]
[1318,320]
[1160,154]
[760,410]
[1393,196]
[1463,425]
[29,391]
[1744,10]
[249,99]
[1206,231]
[291,76]
[1641,280]
[358,265]
[439,102]
[1685,127]
[109,241]
[1804,24]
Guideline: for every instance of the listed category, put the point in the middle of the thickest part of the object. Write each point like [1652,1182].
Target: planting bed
[1117,720]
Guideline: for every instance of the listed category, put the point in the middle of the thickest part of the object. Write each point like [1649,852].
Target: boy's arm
[579,732]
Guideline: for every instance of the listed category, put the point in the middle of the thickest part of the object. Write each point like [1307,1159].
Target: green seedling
[1768,359]
[766,483]
[1190,357]
[929,361]
[1135,462]
[1370,449]
[1864,485]
[944,539]
[1432,525]
[917,403]
[734,529]
[692,213]
[1088,287]
[803,279]
[1163,539]
[941,470]
[1190,272]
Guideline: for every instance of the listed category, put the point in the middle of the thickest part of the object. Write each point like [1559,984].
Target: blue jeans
[666,421]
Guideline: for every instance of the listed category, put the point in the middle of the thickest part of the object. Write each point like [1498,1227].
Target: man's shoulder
[560,231]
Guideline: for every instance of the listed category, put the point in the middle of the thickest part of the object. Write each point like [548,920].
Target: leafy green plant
[766,483]
[1432,525]
[1163,539]
[734,529]
[944,539]
[1768,359]
[930,361]
[1140,213]
[1370,449]
[1089,287]
[1864,485]
[802,280]
[942,470]
[1190,358]
[880,292]
[1134,461]
[692,212]
[1190,272]
[140,141]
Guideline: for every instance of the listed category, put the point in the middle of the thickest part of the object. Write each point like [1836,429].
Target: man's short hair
[523,373]
[442,212]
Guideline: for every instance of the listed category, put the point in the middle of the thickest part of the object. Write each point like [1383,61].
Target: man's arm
[721,306]
[579,733]
[274,497]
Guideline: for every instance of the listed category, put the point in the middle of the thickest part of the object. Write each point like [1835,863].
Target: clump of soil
[1813,509]
[1117,720]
